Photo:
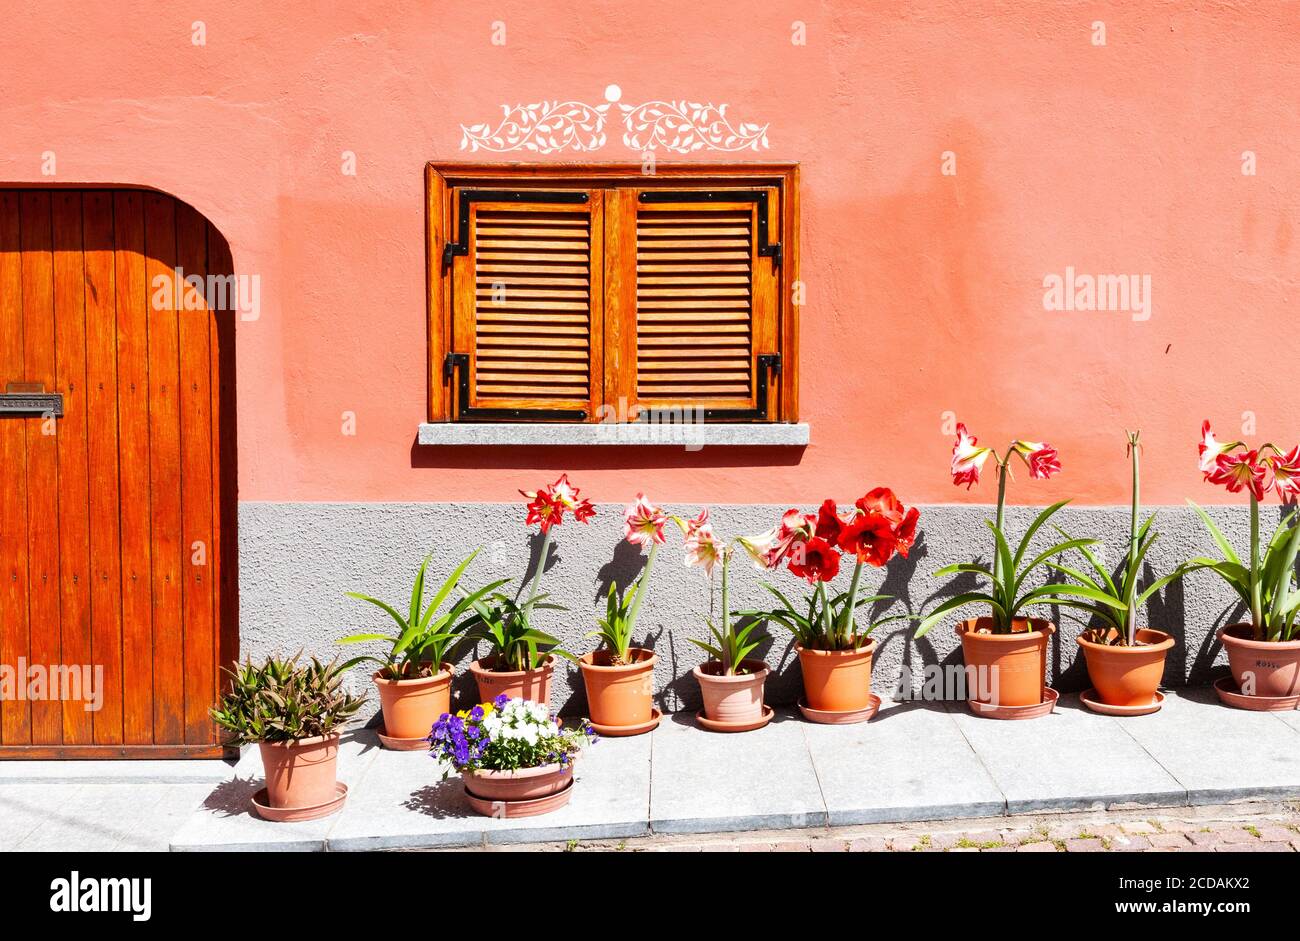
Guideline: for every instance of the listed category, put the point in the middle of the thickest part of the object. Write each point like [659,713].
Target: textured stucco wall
[297,560]
[924,290]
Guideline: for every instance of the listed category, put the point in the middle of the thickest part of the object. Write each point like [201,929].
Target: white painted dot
[613,93]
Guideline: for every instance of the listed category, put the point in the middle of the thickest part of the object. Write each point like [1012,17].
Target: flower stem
[729,648]
[1256,601]
[1130,615]
[1001,622]
[636,602]
[846,625]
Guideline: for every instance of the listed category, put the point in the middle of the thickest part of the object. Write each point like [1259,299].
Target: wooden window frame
[441,179]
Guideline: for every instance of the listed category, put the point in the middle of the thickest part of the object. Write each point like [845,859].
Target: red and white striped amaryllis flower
[643,522]
[1240,469]
[1257,470]
[548,505]
[967,458]
[1041,458]
[703,548]
[1286,474]
[1210,449]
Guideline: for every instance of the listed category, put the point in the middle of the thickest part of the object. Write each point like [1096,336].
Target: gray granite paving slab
[404,802]
[24,808]
[910,762]
[226,821]
[146,771]
[1218,753]
[704,782]
[1072,759]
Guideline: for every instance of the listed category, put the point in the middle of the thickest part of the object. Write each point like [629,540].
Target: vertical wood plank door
[117,507]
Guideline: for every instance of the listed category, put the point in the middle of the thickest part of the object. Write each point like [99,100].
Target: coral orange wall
[924,291]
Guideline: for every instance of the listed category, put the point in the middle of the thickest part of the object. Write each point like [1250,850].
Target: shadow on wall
[605,457]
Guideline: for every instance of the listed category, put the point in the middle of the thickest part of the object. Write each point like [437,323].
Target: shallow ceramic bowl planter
[527,792]
[1009,668]
[1262,668]
[837,681]
[301,779]
[733,703]
[533,685]
[620,697]
[1126,676]
[410,707]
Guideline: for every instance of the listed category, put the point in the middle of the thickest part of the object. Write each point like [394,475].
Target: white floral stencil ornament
[548,127]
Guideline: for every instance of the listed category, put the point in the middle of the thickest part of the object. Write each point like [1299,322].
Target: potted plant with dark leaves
[619,678]
[835,653]
[1005,652]
[1264,654]
[414,676]
[523,657]
[294,712]
[513,758]
[1125,661]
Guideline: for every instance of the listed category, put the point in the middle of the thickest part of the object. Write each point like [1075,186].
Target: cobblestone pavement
[1255,828]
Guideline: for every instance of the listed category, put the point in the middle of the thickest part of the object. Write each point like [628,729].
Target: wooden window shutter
[693,302]
[527,274]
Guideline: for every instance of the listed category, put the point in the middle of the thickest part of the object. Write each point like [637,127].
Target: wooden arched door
[117,489]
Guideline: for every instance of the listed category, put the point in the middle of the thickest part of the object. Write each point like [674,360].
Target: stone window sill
[522,434]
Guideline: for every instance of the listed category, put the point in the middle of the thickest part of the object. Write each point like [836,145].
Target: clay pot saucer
[523,808]
[1090,699]
[403,744]
[614,731]
[991,711]
[846,717]
[1231,694]
[718,725]
[293,814]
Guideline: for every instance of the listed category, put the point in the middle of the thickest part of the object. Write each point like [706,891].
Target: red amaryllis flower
[643,522]
[881,500]
[967,459]
[1286,474]
[828,525]
[547,506]
[1236,471]
[870,537]
[815,560]
[1041,458]
[905,534]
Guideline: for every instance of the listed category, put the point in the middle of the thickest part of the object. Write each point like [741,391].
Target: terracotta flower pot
[303,773]
[837,680]
[734,699]
[1261,667]
[1126,676]
[518,785]
[410,707]
[1009,668]
[619,695]
[533,685]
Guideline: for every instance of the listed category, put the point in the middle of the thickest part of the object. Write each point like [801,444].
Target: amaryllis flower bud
[1236,471]
[967,459]
[1040,457]
[643,522]
[815,560]
[1286,474]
